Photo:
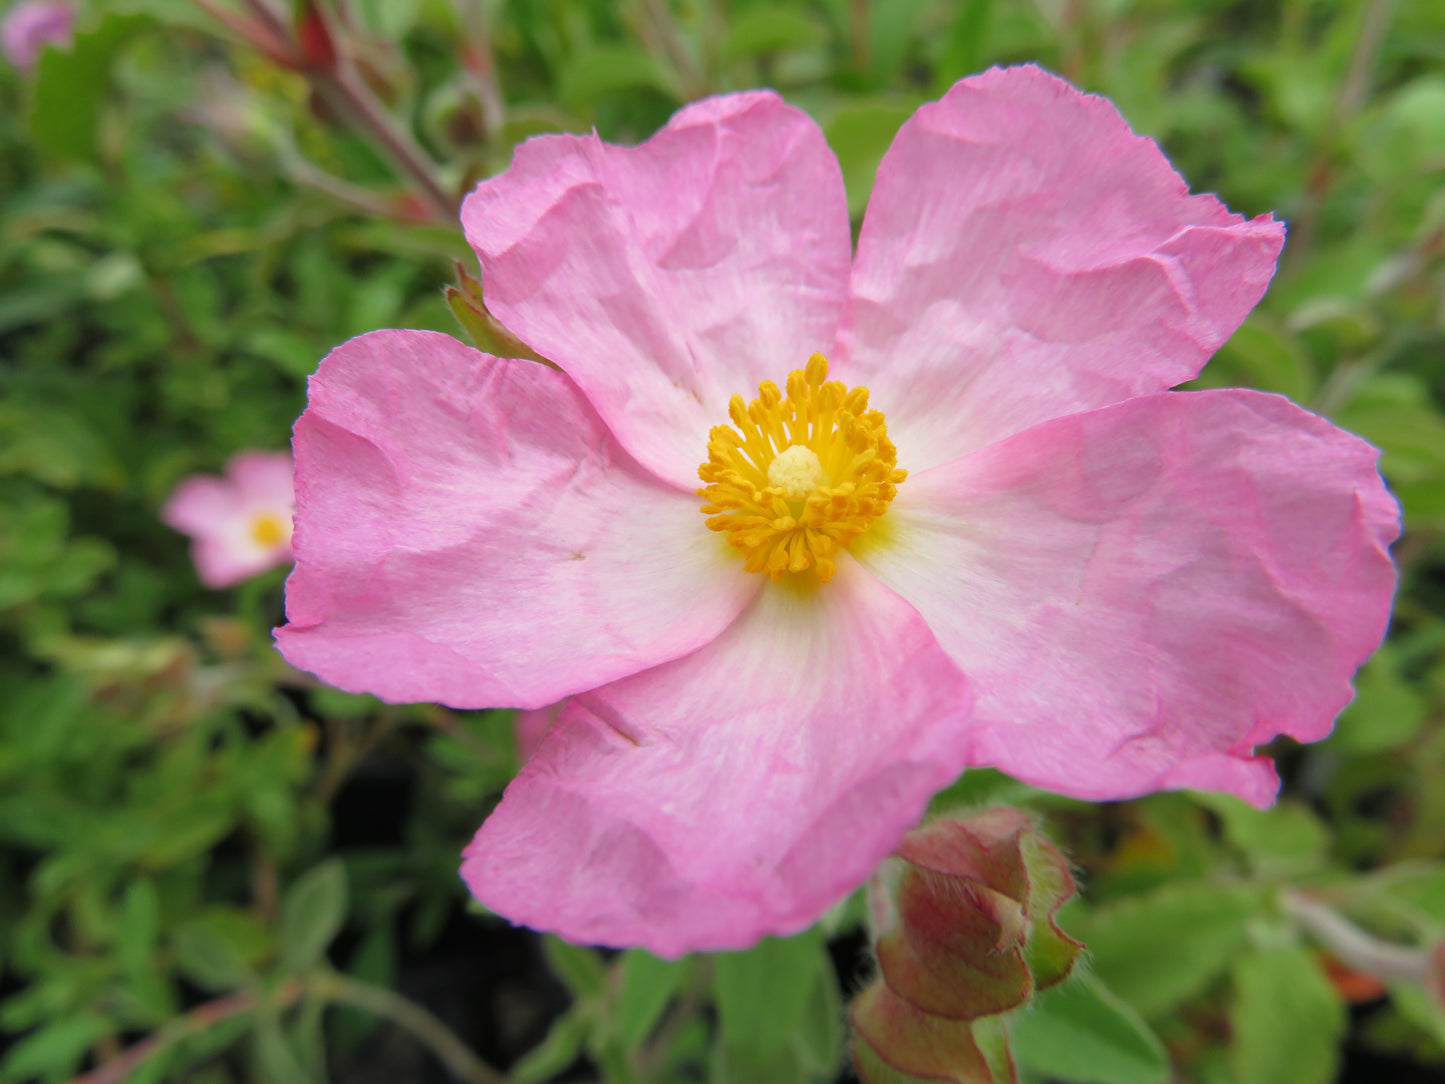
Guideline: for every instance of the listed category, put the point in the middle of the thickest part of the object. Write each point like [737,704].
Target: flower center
[796,476]
[267,529]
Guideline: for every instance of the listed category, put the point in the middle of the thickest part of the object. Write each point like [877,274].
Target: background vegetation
[205,852]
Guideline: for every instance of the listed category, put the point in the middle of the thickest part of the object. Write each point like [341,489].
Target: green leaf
[1287,1020]
[579,968]
[737,1064]
[859,134]
[1260,355]
[763,993]
[648,984]
[890,32]
[277,1059]
[818,1039]
[770,29]
[1156,950]
[312,914]
[1285,839]
[561,1047]
[1082,1032]
[55,1050]
[70,85]
[967,44]
[1417,893]
[1386,713]
[140,927]
[605,71]
[209,958]
[1420,1007]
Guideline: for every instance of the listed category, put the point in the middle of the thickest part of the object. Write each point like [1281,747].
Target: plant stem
[345,89]
[183,1027]
[674,49]
[1353,946]
[437,1037]
[328,988]
[860,34]
[1320,173]
[480,63]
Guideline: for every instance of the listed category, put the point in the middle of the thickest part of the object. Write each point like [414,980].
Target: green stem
[345,89]
[407,1014]
[1320,173]
[327,988]
[1353,946]
[192,1023]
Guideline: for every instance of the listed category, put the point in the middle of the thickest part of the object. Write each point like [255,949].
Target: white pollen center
[796,471]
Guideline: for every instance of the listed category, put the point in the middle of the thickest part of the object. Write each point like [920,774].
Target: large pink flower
[1096,584]
[240,522]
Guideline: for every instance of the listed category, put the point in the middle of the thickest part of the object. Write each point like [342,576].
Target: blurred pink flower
[241,522]
[1096,584]
[31,25]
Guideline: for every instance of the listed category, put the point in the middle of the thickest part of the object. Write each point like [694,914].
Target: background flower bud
[965,931]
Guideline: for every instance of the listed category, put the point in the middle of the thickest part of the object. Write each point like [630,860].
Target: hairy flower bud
[965,931]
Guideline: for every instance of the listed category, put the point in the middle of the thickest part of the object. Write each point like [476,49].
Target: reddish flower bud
[314,41]
[965,932]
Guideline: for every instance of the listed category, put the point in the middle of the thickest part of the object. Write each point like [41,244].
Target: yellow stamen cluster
[796,476]
[268,529]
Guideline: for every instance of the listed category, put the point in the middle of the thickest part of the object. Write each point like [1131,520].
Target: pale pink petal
[222,519]
[469,532]
[737,792]
[264,479]
[1144,593]
[201,504]
[532,726]
[666,277]
[225,560]
[1025,256]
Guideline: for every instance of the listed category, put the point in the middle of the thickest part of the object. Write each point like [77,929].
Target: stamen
[268,529]
[796,476]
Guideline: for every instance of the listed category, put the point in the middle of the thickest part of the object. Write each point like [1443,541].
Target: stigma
[797,476]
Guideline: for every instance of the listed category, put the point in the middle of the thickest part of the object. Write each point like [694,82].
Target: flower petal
[737,792]
[1026,256]
[532,726]
[1143,593]
[468,531]
[201,505]
[666,277]
[224,560]
[263,479]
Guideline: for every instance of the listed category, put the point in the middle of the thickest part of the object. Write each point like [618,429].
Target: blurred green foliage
[189,222]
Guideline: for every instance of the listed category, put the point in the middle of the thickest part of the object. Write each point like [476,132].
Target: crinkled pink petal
[532,726]
[263,479]
[1026,256]
[469,532]
[1144,593]
[666,277]
[739,791]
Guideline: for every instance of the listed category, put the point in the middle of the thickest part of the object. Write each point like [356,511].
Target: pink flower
[31,25]
[1096,584]
[241,523]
